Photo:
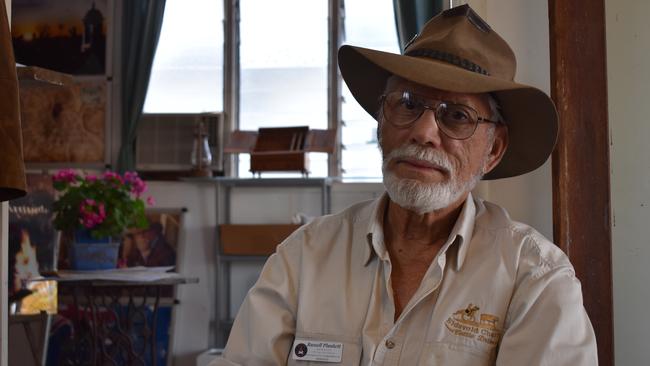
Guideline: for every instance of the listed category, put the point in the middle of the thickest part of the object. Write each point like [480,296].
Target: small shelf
[38,76]
[263,182]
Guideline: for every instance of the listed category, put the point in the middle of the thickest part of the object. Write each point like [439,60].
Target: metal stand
[223,316]
[111,322]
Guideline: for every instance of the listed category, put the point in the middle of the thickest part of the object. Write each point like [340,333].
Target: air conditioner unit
[165,141]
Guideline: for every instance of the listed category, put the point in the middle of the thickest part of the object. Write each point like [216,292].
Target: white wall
[524,25]
[628,57]
[195,259]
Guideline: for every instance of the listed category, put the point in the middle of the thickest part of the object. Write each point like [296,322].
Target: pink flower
[138,186]
[113,176]
[65,175]
[130,176]
[92,214]
[91,178]
[151,201]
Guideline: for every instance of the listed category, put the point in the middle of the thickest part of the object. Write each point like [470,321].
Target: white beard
[421,197]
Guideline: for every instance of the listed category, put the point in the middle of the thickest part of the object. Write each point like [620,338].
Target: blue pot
[89,254]
[83,236]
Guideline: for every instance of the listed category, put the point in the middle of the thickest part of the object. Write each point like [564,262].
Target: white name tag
[309,350]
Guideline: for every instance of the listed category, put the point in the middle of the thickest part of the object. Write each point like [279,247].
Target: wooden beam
[581,174]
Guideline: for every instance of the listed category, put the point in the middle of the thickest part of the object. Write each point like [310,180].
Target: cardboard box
[253,239]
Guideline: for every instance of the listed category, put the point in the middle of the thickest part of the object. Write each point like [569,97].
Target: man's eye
[408,103]
[457,115]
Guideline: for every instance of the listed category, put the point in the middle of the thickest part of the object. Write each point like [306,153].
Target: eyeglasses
[456,121]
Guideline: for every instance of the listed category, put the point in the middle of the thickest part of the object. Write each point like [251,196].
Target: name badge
[304,350]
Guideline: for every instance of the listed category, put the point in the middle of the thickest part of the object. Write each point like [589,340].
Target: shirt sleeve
[547,323]
[263,331]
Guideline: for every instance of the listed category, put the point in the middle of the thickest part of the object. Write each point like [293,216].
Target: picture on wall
[67,36]
[64,124]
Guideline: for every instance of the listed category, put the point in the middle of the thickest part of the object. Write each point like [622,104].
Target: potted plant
[96,210]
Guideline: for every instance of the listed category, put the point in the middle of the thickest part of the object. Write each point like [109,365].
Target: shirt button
[390,344]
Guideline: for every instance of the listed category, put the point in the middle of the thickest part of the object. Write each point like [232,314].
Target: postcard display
[62,126]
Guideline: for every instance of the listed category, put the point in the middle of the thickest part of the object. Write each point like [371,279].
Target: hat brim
[529,113]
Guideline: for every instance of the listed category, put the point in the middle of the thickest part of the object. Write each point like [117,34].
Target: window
[371,24]
[283,63]
[283,80]
[187,72]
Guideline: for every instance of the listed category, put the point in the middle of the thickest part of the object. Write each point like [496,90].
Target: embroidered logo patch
[470,324]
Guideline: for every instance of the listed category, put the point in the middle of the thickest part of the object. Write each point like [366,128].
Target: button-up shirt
[497,293]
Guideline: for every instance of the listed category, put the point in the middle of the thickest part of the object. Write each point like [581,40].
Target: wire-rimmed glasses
[456,121]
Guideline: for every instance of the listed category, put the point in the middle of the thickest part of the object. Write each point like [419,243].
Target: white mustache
[413,151]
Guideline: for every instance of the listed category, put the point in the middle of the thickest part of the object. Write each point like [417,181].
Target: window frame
[231,81]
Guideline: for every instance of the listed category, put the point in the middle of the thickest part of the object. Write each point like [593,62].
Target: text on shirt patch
[306,350]
[464,323]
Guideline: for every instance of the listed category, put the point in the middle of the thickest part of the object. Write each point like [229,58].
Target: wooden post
[581,174]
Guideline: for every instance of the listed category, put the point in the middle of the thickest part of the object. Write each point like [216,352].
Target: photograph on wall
[64,124]
[154,246]
[33,248]
[67,36]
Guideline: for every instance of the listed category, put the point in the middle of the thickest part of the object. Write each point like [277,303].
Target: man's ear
[498,149]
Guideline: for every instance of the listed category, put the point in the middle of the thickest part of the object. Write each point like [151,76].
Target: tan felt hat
[458,51]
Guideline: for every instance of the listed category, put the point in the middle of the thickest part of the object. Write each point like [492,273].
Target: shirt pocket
[350,355]
[454,354]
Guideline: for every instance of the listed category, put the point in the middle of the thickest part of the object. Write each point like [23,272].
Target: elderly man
[427,274]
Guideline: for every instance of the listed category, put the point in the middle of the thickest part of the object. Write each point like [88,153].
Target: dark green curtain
[411,15]
[141,23]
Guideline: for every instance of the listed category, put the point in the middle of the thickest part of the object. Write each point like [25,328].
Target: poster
[64,124]
[67,36]
[33,247]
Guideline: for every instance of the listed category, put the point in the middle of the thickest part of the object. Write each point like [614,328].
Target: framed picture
[65,124]
[68,36]
[155,246]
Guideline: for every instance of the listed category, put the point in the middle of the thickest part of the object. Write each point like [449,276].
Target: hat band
[449,58]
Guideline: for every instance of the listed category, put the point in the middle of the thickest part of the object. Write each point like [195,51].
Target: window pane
[371,24]
[187,73]
[283,60]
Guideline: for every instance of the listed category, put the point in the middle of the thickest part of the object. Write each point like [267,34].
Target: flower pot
[89,254]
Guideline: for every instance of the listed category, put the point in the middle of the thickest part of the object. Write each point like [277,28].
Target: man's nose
[425,130]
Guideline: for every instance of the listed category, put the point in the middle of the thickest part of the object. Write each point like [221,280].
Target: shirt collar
[375,232]
[460,233]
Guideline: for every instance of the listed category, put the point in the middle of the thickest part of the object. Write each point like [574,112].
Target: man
[427,274]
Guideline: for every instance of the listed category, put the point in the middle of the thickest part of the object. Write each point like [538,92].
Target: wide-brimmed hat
[458,51]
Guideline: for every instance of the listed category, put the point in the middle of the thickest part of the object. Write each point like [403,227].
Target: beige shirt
[498,293]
